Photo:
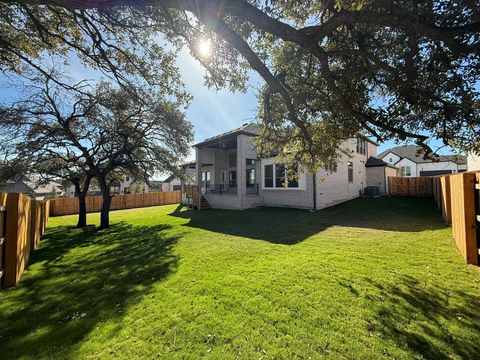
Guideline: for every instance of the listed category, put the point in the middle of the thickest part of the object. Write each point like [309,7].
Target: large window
[406,170]
[278,176]
[350,171]
[361,146]
[292,176]
[268,176]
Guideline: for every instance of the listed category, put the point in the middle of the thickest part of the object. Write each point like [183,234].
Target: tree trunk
[82,209]
[105,210]
[82,206]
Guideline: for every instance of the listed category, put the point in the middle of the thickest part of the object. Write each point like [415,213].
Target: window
[250,161]
[292,174]
[232,160]
[390,160]
[268,176]
[250,177]
[277,176]
[232,178]
[406,170]
[350,171]
[361,146]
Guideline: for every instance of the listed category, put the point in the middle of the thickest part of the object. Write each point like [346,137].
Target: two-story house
[411,163]
[233,176]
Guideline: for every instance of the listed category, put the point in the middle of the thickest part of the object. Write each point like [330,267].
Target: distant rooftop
[415,154]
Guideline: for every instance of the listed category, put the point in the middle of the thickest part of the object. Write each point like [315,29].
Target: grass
[371,278]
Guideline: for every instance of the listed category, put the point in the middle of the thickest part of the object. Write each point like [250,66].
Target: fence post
[17,249]
[2,244]
[446,199]
[464,225]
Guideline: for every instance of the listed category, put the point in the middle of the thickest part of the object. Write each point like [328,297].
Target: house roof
[246,129]
[35,184]
[168,179]
[374,162]
[414,153]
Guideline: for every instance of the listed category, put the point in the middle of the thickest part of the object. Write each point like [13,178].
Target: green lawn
[371,278]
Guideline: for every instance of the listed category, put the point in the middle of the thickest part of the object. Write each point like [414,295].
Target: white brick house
[232,176]
[408,160]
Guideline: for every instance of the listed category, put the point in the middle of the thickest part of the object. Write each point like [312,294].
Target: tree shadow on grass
[291,226]
[85,278]
[430,321]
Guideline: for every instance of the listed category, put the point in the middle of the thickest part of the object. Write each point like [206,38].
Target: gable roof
[374,162]
[247,129]
[414,153]
[169,179]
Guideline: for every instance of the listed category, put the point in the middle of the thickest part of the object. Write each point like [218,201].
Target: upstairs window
[361,146]
[332,167]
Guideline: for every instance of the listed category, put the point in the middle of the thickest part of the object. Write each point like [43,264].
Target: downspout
[314,192]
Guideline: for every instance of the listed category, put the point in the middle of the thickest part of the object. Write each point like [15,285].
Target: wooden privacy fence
[22,222]
[410,186]
[458,197]
[67,206]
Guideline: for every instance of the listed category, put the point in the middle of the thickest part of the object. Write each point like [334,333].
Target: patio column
[198,168]
[241,164]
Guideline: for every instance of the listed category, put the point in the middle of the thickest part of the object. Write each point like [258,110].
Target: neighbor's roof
[413,153]
[374,162]
[246,129]
[169,179]
[32,181]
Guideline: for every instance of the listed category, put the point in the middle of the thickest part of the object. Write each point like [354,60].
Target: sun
[205,48]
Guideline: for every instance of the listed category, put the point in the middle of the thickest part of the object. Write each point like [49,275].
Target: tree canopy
[391,69]
[98,130]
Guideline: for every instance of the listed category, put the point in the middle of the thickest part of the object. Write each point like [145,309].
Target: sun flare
[205,48]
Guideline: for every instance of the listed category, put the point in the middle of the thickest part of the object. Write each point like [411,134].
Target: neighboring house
[473,162]
[128,185]
[154,186]
[232,176]
[33,186]
[174,183]
[411,163]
